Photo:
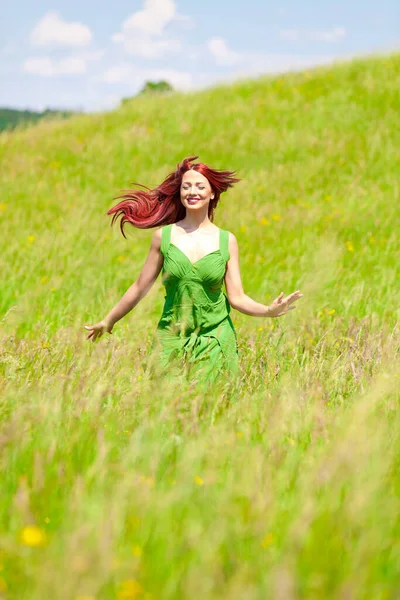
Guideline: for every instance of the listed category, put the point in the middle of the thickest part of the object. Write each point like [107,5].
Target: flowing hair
[162,205]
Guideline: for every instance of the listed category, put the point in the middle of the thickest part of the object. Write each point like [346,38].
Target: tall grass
[114,486]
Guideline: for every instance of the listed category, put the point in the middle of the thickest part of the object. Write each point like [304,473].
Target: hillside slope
[116,486]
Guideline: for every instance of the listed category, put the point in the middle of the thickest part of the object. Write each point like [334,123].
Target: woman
[195,257]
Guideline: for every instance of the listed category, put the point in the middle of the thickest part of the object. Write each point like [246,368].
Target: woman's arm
[243,303]
[136,292]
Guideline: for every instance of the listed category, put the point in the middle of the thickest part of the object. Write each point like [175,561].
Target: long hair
[162,205]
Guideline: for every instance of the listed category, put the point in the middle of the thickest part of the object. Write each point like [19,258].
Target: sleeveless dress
[195,329]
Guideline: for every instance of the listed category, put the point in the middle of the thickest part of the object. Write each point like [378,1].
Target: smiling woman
[196,257]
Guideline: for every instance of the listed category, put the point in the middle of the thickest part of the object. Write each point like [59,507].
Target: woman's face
[196,191]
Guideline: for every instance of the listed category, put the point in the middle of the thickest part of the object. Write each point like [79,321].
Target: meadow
[117,486]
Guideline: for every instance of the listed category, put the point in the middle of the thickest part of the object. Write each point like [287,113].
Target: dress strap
[165,238]
[224,244]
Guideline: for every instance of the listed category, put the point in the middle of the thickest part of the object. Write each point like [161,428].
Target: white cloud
[296,35]
[117,74]
[147,47]
[223,55]
[75,64]
[144,32]
[136,76]
[47,67]
[51,29]
[153,19]
[91,55]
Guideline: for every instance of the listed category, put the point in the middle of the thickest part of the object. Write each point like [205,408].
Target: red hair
[162,205]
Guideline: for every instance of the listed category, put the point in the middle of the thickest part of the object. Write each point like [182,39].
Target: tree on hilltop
[152,87]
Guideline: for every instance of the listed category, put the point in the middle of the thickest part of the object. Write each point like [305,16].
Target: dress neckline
[200,259]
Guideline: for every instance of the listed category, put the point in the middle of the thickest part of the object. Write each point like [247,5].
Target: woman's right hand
[98,329]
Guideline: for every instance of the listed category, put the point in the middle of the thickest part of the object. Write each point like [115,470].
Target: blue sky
[89,54]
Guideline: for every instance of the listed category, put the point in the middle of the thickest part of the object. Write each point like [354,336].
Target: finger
[293,297]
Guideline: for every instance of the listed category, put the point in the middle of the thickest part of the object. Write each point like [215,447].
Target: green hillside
[115,488]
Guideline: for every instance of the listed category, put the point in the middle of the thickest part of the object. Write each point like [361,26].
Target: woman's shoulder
[158,231]
[161,237]
[157,236]
[231,236]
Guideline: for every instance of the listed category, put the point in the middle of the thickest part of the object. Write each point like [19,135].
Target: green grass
[291,489]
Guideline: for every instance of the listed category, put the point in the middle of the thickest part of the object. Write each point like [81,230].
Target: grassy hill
[115,488]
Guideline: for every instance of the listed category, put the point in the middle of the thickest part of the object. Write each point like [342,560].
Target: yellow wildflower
[33,536]
[129,590]
[350,246]
[31,238]
[264,221]
[198,480]
[267,541]
[44,279]
[276,217]
[137,551]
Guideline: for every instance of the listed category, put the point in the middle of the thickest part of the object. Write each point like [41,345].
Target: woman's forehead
[194,177]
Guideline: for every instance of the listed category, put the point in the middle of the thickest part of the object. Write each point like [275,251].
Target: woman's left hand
[280,306]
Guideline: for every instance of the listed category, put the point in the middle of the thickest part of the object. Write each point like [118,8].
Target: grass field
[115,488]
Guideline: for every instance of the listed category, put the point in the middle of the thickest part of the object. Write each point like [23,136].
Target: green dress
[195,329]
